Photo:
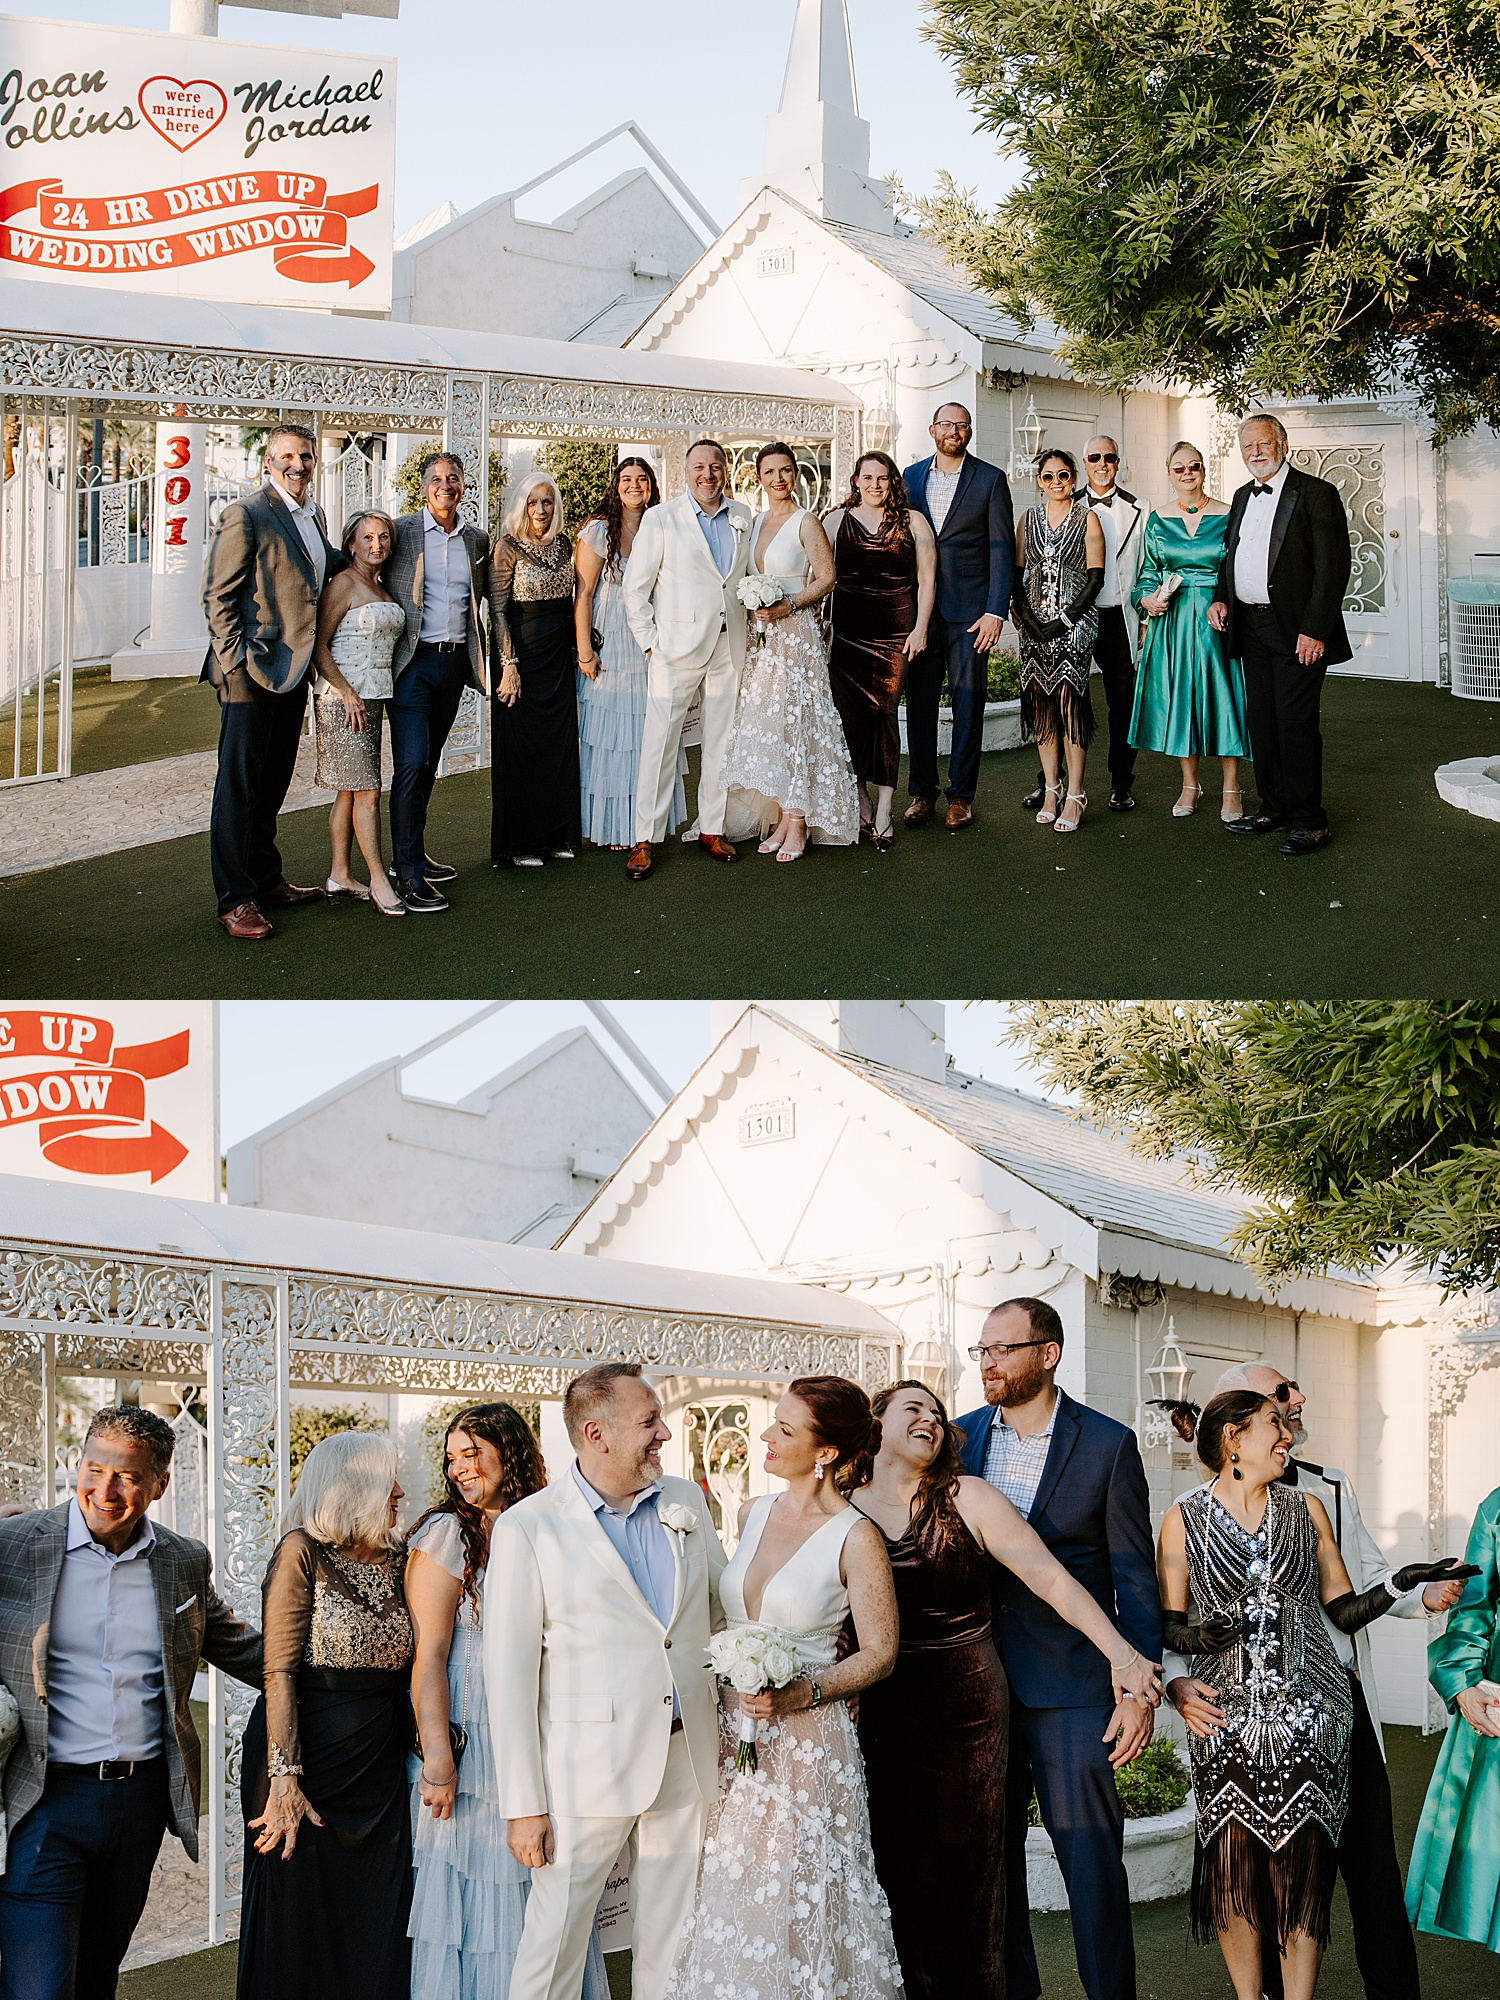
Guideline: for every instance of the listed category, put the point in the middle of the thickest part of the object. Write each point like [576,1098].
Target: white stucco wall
[1473,500]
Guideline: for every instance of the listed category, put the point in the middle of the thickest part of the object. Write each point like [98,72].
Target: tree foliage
[407,485]
[312,1422]
[581,468]
[1255,196]
[1367,1129]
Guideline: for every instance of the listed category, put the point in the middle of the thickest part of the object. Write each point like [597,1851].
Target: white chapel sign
[193,166]
[111,1093]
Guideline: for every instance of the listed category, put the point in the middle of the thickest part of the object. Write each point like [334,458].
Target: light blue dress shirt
[643,1545]
[445,584]
[105,1679]
[718,532]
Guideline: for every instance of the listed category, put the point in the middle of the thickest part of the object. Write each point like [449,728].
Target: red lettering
[179,451]
[176,535]
[176,491]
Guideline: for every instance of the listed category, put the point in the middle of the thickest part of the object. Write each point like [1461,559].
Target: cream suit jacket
[578,1669]
[675,599]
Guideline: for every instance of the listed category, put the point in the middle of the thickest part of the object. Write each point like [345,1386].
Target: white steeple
[817,145]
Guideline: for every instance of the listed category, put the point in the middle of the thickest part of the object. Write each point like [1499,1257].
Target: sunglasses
[1101,457]
[1048,477]
[1284,1391]
[1180,469]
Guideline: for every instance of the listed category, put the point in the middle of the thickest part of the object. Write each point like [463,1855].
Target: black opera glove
[1356,1609]
[1026,618]
[1093,583]
[1449,1570]
[1217,1633]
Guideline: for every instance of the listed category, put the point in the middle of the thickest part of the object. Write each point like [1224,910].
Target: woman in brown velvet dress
[934,1734]
[885,566]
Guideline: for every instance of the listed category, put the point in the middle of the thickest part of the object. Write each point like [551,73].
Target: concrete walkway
[74,819]
[175,1919]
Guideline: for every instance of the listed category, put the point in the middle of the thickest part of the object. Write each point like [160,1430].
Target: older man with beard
[1076,1476]
[1383,1944]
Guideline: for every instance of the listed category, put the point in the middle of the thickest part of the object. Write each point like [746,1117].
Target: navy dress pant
[258,737]
[1062,1752]
[950,651]
[420,714]
[75,1881]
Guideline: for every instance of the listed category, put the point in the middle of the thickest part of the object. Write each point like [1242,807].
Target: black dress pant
[949,651]
[1282,699]
[1384,1948]
[258,737]
[420,714]
[76,1881]
[1117,670]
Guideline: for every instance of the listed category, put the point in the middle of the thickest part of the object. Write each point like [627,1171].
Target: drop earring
[1234,1460]
[820,1469]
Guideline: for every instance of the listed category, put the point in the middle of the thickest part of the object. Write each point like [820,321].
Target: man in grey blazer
[439,573]
[267,562]
[104,1618]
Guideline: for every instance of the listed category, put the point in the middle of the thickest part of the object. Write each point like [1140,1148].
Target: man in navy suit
[1078,1479]
[967,504]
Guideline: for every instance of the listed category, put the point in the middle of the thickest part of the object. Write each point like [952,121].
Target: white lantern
[1169,1376]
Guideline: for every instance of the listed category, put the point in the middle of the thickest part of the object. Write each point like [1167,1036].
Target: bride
[787,761]
[788,1901]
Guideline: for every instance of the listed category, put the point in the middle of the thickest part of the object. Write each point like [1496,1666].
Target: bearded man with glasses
[1076,1476]
[1383,1945]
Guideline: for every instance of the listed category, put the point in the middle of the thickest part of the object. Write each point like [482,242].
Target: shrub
[312,1422]
[1002,679]
[406,483]
[581,469]
[1157,1782]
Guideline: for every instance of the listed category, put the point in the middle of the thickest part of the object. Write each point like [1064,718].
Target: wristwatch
[817,1692]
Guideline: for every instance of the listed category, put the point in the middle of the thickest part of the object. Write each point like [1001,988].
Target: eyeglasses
[1179,469]
[1101,457]
[1001,1347]
[1284,1391]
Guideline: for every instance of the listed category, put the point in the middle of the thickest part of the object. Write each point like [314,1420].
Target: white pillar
[194,17]
[178,638]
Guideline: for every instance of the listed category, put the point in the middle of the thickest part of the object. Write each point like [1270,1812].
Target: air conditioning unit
[1474,631]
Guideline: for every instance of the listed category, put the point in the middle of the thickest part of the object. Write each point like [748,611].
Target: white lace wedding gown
[788,1906]
[787,747]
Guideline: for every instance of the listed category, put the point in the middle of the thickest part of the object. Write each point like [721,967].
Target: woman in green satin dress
[1453,1889]
[1189,694]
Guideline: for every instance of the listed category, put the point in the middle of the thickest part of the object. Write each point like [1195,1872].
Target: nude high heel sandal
[1181,811]
[1044,817]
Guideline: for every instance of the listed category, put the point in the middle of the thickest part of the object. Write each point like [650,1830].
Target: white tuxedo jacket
[1129,517]
[675,599]
[578,1670]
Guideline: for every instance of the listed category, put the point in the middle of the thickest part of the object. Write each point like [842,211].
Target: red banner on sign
[84,1114]
[298,236]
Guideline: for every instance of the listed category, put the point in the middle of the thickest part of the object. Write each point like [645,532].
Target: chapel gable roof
[915,260]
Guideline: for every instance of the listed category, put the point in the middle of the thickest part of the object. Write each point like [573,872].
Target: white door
[1371,460]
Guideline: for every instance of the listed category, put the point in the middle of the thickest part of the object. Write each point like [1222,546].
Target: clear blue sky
[281,1053]
[491,92]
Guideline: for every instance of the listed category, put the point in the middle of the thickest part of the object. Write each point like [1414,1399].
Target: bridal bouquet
[759,593]
[751,1659]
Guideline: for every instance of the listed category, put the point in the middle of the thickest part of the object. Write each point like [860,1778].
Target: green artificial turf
[115,722]
[1406,901]
[1168,1965]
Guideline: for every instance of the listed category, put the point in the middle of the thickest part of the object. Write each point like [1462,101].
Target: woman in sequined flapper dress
[1059,574]
[327,1884]
[1260,1563]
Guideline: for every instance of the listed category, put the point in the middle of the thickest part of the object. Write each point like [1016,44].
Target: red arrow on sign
[313,270]
[156,1152]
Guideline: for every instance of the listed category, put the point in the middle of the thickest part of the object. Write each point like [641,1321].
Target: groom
[601,1696]
[680,598]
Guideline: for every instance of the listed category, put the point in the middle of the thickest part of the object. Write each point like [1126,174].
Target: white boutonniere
[677,1520]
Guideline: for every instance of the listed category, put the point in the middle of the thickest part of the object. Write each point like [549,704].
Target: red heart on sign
[182,112]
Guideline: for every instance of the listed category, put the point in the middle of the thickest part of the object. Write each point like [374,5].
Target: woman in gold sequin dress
[534,771]
[327,1885]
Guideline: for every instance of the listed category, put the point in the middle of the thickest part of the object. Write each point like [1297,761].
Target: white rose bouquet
[759,593]
[750,1659]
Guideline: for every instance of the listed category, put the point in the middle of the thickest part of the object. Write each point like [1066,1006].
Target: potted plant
[1156,1793]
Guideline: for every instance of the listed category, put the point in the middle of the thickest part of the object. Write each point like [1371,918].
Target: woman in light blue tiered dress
[612,675]
[469,1895]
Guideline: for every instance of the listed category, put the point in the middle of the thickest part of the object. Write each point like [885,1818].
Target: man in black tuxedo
[966,502]
[1280,601]
[269,558]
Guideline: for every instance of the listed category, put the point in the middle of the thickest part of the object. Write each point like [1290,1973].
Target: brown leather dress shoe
[245,921]
[960,814]
[642,861]
[918,812]
[716,845]
[281,895]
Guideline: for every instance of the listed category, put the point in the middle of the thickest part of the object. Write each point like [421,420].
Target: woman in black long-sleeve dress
[934,1733]
[536,814]
[323,1775]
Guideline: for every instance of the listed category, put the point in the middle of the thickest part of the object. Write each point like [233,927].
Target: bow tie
[1256,487]
[1101,499]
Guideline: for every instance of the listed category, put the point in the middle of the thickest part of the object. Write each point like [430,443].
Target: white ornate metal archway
[249,1334]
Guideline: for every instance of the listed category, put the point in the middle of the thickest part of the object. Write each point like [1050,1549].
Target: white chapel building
[830,1144]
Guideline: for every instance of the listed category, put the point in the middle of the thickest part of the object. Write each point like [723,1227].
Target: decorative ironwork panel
[56,1288]
[23,1427]
[127,1354]
[813,473]
[434,1375]
[1358,471]
[523,406]
[467,431]
[846,424]
[114,522]
[718,1443]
